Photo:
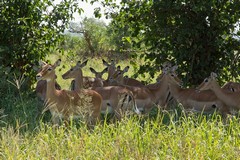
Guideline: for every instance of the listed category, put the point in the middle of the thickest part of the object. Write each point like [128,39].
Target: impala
[67,104]
[147,96]
[115,99]
[118,76]
[166,67]
[99,82]
[111,67]
[41,89]
[41,86]
[88,82]
[192,99]
[230,98]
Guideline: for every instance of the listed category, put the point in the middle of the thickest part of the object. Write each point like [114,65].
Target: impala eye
[206,80]
[71,69]
[49,69]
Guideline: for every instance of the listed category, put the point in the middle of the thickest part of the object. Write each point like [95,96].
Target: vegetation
[93,38]
[166,136]
[26,133]
[28,32]
[199,36]
[94,35]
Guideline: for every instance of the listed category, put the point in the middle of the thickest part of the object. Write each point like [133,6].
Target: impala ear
[174,68]
[93,70]
[57,63]
[84,63]
[105,63]
[118,68]
[105,70]
[126,69]
[213,75]
[41,63]
[78,65]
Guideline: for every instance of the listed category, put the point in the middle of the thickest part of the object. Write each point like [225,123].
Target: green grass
[191,137]
[25,133]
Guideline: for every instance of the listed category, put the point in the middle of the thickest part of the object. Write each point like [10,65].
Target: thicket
[29,31]
[199,36]
[94,38]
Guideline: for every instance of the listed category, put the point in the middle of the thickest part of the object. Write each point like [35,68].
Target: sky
[88,12]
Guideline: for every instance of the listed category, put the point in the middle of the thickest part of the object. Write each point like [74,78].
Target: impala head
[75,71]
[118,74]
[111,67]
[98,74]
[232,86]
[172,76]
[48,71]
[207,82]
[166,66]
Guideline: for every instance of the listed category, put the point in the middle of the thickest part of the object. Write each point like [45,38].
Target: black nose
[214,106]
[38,77]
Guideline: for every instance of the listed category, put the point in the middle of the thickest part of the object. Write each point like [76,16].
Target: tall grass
[190,137]
[25,133]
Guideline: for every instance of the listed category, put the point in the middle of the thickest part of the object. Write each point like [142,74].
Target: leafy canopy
[199,36]
[29,29]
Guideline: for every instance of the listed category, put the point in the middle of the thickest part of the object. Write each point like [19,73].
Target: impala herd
[118,94]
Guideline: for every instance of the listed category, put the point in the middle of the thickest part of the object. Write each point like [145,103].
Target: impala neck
[120,80]
[175,90]
[161,92]
[111,71]
[51,90]
[79,82]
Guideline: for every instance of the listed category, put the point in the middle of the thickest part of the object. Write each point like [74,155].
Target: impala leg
[148,108]
[55,119]
[118,114]
[94,118]
[117,109]
[225,111]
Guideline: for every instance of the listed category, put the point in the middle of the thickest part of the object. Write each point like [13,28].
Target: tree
[29,29]
[94,33]
[196,35]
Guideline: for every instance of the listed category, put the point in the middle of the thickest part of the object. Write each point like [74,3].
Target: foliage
[199,36]
[28,31]
[92,37]
[119,38]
